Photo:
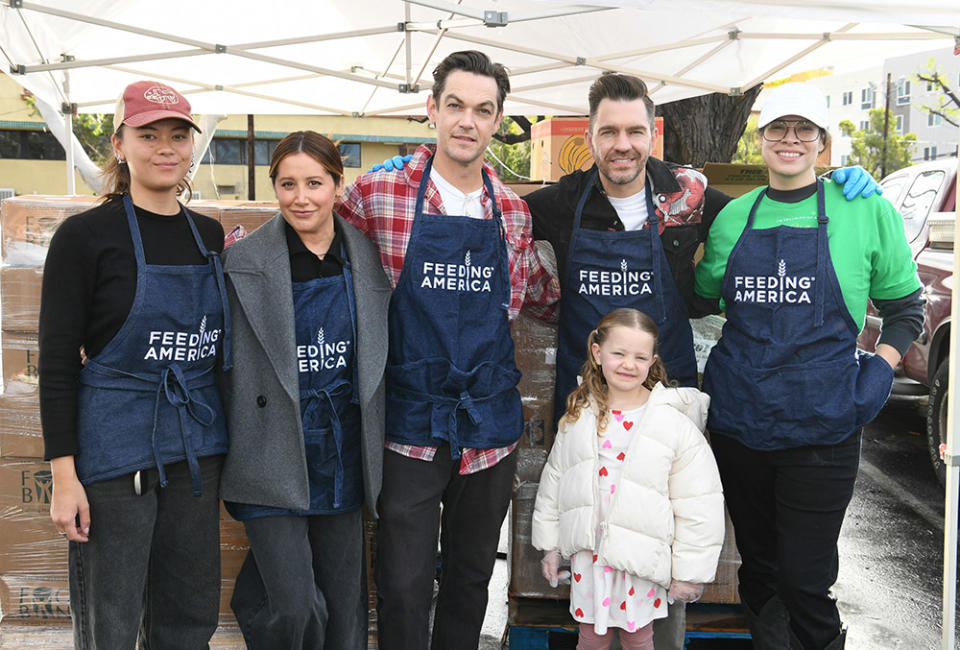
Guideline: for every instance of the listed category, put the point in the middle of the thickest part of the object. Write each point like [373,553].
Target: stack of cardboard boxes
[33,557]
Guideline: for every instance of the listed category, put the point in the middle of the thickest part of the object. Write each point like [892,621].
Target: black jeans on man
[787,507]
[474,506]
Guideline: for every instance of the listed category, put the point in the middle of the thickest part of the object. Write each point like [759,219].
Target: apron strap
[822,253]
[656,250]
[217,264]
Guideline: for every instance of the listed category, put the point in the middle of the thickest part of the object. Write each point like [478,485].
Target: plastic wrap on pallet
[535,345]
[20,433]
[724,588]
[20,356]
[526,578]
[34,600]
[20,297]
[28,223]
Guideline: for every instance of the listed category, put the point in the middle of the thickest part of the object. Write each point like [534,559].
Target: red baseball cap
[144,102]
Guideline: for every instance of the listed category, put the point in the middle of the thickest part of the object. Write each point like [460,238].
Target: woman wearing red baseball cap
[133,322]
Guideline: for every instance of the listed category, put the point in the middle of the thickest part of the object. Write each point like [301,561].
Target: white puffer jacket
[666,517]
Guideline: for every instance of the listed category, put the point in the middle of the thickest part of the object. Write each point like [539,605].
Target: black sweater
[89,281]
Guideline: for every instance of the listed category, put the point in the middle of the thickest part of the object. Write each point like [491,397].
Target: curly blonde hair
[593,386]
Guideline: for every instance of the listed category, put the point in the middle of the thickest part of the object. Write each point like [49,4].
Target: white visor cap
[800,99]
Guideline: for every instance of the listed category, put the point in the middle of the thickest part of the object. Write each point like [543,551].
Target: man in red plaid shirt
[457,246]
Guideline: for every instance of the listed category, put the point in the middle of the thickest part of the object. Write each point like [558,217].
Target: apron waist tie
[464,402]
[173,386]
[326,395]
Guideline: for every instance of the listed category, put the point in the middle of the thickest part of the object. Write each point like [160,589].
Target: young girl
[630,491]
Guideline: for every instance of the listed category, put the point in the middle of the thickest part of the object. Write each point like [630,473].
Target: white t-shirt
[632,210]
[456,202]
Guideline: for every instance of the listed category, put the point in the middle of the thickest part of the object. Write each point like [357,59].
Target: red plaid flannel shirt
[382,205]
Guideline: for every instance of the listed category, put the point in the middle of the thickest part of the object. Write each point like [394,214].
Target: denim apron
[149,398]
[451,375]
[786,372]
[608,270]
[325,317]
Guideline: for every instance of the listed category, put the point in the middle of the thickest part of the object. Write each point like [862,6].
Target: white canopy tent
[374,57]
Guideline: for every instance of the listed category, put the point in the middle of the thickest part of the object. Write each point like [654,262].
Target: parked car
[925,196]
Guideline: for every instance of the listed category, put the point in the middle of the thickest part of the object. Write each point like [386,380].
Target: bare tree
[948,101]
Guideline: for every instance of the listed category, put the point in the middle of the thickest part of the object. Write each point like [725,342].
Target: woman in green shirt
[793,265]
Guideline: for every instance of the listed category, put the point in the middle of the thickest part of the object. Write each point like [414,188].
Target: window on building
[926,153]
[843,160]
[933,153]
[866,97]
[233,151]
[934,119]
[828,101]
[930,86]
[350,152]
[848,98]
[30,145]
[899,126]
[903,91]
[864,125]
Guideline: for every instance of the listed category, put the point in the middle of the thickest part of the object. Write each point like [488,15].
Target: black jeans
[787,507]
[303,584]
[156,555]
[473,510]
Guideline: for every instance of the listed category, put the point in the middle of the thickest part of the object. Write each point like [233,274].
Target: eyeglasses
[778,129]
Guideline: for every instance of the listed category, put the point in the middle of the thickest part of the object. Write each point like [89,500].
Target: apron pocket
[113,431]
[874,382]
[779,408]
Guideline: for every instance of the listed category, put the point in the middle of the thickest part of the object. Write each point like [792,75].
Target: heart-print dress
[601,595]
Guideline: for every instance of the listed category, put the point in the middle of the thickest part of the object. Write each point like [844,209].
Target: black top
[89,282]
[552,209]
[305,265]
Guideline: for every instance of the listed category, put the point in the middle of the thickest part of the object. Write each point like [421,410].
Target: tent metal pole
[952,460]
[823,40]
[407,45]
[67,110]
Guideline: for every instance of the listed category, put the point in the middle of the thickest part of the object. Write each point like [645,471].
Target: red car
[926,196]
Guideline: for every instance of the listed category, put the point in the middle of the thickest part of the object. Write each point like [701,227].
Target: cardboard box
[558,147]
[20,298]
[250,215]
[735,180]
[30,546]
[20,432]
[535,351]
[25,487]
[724,589]
[20,358]
[29,221]
[35,600]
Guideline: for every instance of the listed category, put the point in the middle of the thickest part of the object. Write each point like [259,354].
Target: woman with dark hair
[305,403]
[135,435]
[794,264]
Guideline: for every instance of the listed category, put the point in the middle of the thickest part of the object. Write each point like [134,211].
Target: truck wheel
[937,419]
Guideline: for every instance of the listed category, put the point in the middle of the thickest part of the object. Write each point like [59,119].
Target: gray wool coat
[267,463]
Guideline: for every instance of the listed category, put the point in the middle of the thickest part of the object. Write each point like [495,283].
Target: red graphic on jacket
[683,208]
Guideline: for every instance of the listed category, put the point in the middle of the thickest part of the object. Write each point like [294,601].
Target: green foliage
[866,146]
[93,130]
[947,102]
[514,159]
[748,148]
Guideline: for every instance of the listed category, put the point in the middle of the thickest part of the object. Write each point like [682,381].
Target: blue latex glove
[856,182]
[397,162]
